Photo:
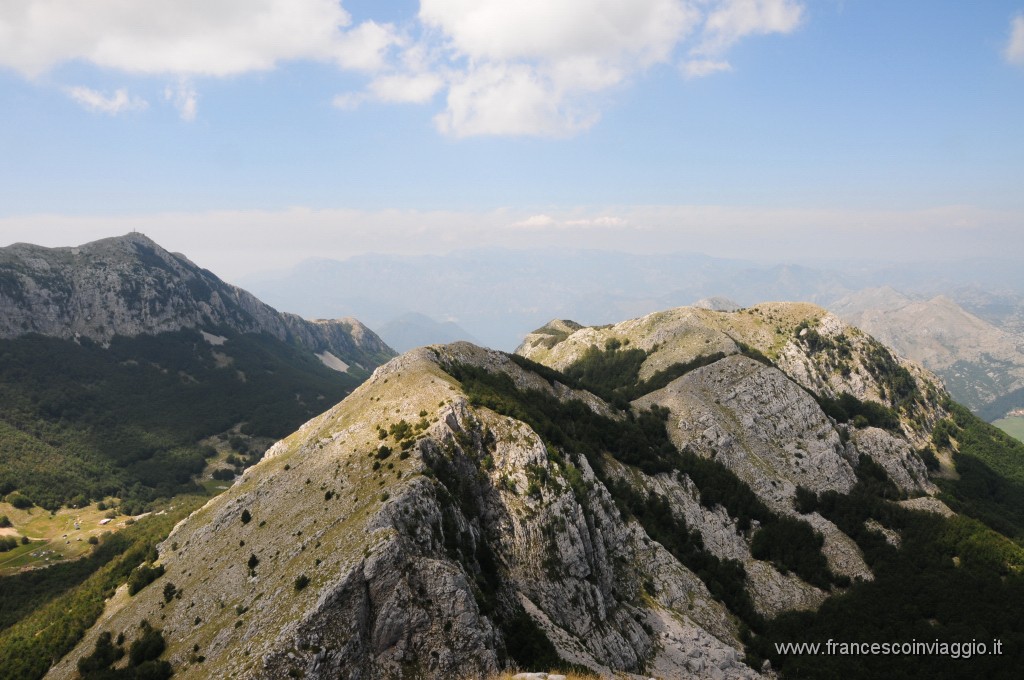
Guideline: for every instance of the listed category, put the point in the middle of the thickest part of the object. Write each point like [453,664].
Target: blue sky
[736,127]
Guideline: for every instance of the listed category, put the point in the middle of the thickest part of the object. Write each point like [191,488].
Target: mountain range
[412,329]
[976,313]
[659,497]
[680,494]
[500,295]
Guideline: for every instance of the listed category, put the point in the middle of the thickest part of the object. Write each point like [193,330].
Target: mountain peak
[131,237]
[129,285]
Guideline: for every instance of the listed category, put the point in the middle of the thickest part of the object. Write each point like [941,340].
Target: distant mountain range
[499,296]
[416,330]
[981,365]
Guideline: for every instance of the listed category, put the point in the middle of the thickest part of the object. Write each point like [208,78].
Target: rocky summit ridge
[465,510]
[129,285]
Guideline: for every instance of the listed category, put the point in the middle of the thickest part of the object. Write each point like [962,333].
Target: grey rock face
[896,456]
[130,286]
[759,424]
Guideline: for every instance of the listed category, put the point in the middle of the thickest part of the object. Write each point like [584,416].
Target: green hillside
[84,422]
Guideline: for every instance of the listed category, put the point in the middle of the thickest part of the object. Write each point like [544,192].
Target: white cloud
[394,88]
[508,99]
[536,67]
[530,67]
[1015,47]
[641,30]
[183,37]
[116,103]
[700,68]
[365,47]
[525,68]
[547,222]
[604,221]
[733,20]
[184,98]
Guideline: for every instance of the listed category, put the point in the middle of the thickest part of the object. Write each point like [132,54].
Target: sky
[251,134]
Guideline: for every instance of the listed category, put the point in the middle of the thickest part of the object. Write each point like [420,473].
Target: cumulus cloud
[393,88]
[114,104]
[184,37]
[1014,52]
[525,68]
[365,47]
[644,30]
[508,99]
[536,67]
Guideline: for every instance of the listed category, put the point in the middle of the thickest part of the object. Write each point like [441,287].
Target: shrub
[143,576]
[147,648]
[301,582]
[806,501]
[102,656]
[19,500]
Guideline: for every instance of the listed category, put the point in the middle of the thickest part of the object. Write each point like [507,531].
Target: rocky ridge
[413,530]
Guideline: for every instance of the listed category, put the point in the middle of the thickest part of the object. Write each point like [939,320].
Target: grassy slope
[62,603]
[1013,426]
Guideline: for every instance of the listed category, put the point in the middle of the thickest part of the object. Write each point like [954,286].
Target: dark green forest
[990,465]
[81,422]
